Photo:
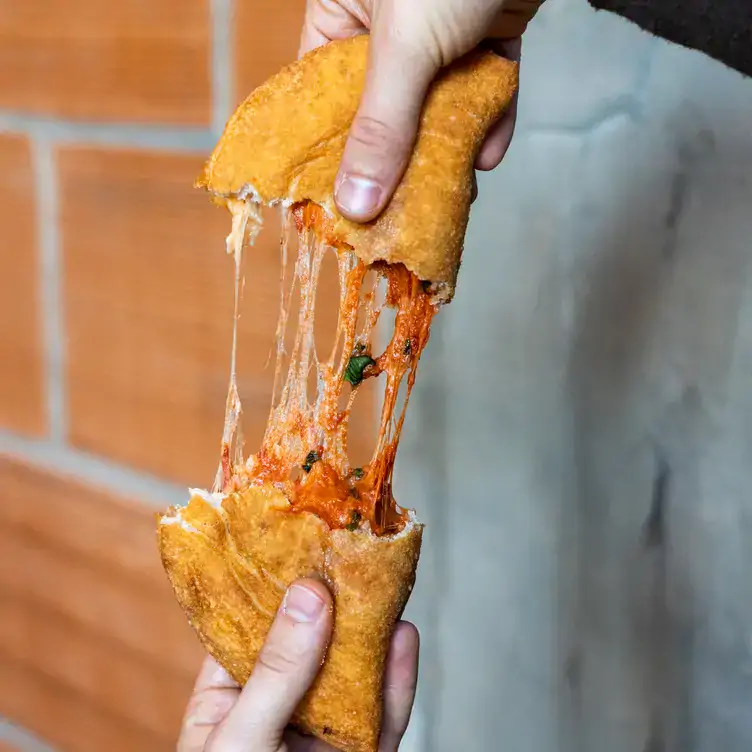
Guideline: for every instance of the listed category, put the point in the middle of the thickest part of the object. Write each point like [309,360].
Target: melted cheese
[300,427]
[246,225]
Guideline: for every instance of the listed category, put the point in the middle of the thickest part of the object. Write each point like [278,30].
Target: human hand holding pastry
[411,40]
[223,718]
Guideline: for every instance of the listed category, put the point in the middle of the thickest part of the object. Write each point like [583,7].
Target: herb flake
[358,473]
[355,367]
[311,458]
[355,518]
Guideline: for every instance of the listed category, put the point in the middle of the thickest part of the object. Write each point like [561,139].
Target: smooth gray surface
[583,418]
[20,740]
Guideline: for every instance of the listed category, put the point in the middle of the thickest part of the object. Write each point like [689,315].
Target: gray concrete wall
[581,440]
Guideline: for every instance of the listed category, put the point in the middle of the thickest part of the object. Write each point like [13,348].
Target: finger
[399,685]
[297,742]
[498,140]
[474,193]
[326,20]
[214,695]
[511,49]
[310,38]
[384,129]
[287,664]
[499,137]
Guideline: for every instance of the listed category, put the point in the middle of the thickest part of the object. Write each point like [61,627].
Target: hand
[410,41]
[223,718]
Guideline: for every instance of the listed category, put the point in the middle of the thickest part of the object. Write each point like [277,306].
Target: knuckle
[377,136]
[273,659]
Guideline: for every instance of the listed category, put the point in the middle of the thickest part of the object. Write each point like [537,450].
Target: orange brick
[92,557]
[149,294]
[63,718]
[116,534]
[150,297]
[267,35]
[122,683]
[21,401]
[87,615]
[128,60]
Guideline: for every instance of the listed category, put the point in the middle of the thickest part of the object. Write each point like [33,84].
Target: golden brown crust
[229,564]
[284,143]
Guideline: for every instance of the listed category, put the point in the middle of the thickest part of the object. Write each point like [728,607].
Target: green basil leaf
[355,367]
[311,458]
[354,520]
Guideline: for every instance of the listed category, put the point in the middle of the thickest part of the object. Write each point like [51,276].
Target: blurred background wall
[579,443]
[115,326]
[584,429]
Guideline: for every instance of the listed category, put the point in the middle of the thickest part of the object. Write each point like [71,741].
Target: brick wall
[115,303]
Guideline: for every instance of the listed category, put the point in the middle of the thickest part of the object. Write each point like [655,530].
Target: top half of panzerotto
[284,143]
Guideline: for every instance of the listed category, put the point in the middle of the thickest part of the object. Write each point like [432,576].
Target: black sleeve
[719,28]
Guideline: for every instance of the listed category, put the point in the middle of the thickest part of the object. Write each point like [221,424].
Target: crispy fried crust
[285,142]
[229,563]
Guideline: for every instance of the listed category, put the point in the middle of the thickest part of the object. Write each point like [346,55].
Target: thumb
[285,668]
[384,129]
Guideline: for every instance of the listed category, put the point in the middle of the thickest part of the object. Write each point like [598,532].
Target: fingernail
[302,605]
[358,195]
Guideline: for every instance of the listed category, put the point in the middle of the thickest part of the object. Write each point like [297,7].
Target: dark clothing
[719,28]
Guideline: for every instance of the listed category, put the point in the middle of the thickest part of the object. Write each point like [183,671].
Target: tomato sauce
[304,450]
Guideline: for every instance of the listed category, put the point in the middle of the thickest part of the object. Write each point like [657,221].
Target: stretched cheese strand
[312,433]
[243,213]
[297,424]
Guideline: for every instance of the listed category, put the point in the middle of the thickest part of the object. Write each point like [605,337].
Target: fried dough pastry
[296,508]
[230,559]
